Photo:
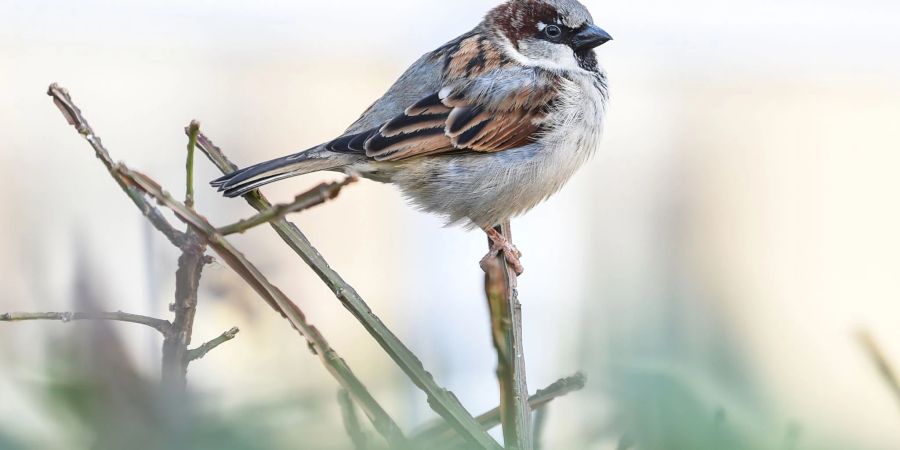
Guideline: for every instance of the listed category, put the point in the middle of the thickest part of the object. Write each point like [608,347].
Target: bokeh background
[709,270]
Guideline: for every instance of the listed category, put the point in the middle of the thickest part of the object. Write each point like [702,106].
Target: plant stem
[441,400]
[540,423]
[63,101]
[885,368]
[163,326]
[314,197]
[193,131]
[439,432]
[336,365]
[201,351]
[506,324]
[351,422]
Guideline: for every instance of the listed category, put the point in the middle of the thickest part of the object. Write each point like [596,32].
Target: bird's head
[556,34]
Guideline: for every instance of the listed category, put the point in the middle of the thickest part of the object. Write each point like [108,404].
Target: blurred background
[709,271]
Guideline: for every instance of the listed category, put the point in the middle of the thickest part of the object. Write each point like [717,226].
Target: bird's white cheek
[548,55]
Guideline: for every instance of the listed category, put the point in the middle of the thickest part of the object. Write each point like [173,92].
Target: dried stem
[277,300]
[177,335]
[163,326]
[201,351]
[73,115]
[506,324]
[440,431]
[314,197]
[187,281]
[351,422]
[441,400]
[885,368]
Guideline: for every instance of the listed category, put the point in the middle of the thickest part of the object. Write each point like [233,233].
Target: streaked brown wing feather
[428,128]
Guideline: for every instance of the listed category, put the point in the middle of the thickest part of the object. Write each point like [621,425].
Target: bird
[480,130]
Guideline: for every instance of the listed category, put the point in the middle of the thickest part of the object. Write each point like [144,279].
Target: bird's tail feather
[247,179]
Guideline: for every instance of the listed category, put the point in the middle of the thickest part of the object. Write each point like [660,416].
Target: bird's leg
[499,243]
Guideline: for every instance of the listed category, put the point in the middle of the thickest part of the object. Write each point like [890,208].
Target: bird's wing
[424,77]
[495,111]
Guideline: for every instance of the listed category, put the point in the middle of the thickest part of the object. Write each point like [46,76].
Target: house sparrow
[480,130]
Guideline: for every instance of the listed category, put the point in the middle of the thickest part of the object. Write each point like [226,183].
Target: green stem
[193,132]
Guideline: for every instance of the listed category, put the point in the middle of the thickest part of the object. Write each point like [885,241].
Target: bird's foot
[499,243]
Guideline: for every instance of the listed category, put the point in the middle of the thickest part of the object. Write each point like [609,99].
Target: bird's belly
[485,189]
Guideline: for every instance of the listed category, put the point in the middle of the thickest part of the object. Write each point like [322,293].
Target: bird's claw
[499,243]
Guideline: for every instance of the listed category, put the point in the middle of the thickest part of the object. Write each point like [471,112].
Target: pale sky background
[743,204]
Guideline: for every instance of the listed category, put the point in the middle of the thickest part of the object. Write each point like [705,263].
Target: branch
[441,400]
[351,422]
[440,431]
[314,197]
[193,131]
[885,369]
[175,358]
[506,326]
[163,326]
[135,185]
[201,351]
[73,115]
[276,299]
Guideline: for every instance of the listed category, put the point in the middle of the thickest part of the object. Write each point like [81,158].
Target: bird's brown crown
[520,19]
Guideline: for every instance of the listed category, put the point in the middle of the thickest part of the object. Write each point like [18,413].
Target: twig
[439,431]
[128,181]
[314,197]
[885,368]
[441,400]
[277,300]
[201,351]
[187,282]
[351,422]
[540,422]
[506,324]
[193,131]
[163,326]
[73,115]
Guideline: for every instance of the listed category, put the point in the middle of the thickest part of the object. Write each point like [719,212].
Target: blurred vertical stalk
[506,326]
[885,368]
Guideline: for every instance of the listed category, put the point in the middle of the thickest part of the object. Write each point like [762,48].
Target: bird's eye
[552,31]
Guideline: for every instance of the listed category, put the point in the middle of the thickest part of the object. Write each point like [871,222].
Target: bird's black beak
[589,37]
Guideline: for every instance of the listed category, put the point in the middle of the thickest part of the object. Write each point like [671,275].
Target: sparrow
[480,130]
